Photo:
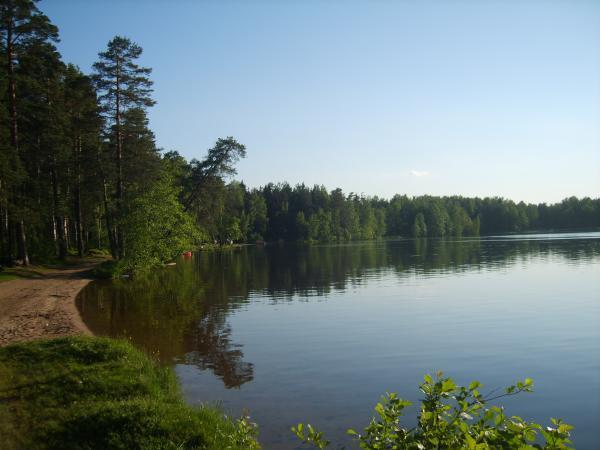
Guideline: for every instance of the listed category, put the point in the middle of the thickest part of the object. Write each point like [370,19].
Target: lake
[317,333]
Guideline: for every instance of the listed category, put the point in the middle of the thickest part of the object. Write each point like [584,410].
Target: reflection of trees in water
[168,313]
[182,312]
[281,271]
[211,339]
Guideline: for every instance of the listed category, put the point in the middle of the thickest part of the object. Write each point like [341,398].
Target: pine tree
[84,126]
[217,164]
[122,84]
[22,26]
[44,149]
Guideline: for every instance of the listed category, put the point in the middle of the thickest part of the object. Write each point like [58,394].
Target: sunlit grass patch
[82,392]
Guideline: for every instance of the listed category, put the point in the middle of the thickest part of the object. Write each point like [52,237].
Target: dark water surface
[317,334]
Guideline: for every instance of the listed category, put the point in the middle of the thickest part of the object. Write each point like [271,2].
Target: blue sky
[381,97]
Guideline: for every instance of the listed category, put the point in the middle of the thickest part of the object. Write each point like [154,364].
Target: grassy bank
[41,269]
[82,392]
[15,273]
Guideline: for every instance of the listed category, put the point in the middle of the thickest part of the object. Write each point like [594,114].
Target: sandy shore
[42,307]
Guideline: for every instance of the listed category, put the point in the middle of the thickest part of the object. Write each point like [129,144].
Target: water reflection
[180,313]
[175,314]
[213,349]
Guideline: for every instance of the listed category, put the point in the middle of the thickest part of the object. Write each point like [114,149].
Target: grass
[40,270]
[15,273]
[8,277]
[97,393]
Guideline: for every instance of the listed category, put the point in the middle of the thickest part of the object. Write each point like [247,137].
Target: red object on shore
[187,253]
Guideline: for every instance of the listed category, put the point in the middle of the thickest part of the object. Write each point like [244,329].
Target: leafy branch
[451,417]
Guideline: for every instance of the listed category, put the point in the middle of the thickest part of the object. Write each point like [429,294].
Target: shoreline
[44,307]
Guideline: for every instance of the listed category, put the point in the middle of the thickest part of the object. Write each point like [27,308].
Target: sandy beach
[44,307]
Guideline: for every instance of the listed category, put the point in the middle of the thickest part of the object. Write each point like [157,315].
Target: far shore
[43,307]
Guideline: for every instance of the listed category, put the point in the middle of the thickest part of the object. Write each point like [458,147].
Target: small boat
[188,254]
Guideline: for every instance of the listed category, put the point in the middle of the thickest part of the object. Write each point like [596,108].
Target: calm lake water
[318,333]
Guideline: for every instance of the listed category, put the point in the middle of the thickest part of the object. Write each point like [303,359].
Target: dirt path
[42,307]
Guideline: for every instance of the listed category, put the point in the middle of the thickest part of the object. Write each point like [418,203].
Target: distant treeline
[79,169]
[282,212]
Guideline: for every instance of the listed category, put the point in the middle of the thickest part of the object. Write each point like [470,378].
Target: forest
[80,170]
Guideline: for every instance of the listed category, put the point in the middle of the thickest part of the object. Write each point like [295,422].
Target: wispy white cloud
[419,173]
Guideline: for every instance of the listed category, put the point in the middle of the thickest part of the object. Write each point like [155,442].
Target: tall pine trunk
[5,233]
[109,227]
[59,219]
[78,215]
[119,158]
[22,243]
[107,213]
[14,135]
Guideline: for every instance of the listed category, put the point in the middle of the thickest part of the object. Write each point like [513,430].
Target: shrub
[451,417]
[106,270]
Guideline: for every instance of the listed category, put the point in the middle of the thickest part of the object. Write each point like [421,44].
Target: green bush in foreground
[99,393]
[451,417]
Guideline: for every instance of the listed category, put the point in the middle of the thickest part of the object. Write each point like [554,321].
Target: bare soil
[44,307]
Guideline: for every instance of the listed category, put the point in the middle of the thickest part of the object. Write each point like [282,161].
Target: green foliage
[419,227]
[78,392]
[320,227]
[106,270]
[230,229]
[156,228]
[219,163]
[451,417]
[309,435]
[257,213]
[437,219]
[98,252]
[302,226]
[118,76]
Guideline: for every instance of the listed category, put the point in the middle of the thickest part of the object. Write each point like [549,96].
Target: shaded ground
[43,306]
